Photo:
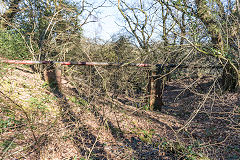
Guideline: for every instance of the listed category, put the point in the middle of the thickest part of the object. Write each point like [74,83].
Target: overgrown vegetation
[104,112]
[13,45]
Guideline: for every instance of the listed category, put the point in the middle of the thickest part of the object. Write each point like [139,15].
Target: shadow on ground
[86,142]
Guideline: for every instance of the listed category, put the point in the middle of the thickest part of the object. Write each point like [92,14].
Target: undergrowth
[12,45]
[32,118]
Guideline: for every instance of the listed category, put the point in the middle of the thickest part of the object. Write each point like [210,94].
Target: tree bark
[155,90]
[52,75]
[205,15]
[231,78]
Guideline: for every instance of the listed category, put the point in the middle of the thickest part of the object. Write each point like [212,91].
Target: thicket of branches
[211,28]
[202,35]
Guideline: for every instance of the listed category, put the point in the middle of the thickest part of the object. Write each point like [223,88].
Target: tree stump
[155,89]
[52,75]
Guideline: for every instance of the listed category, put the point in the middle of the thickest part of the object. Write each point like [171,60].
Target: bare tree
[220,21]
[9,14]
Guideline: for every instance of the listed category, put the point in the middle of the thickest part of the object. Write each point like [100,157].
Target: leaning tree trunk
[230,75]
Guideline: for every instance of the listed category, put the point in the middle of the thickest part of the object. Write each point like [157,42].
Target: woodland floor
[66,126]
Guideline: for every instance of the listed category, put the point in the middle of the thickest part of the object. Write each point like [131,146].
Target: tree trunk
[52,75]
[155,90]
[231,78]
[230,75]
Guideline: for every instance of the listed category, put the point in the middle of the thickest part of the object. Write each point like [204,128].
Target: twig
[198,109]
[93,145]
[25,113]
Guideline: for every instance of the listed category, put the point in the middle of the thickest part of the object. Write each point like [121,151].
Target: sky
[108,23]
[1,7]
[106,19]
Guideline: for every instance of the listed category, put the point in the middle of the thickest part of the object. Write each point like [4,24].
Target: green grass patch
[78,101]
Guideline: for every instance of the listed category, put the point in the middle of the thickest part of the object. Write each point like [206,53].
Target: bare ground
[196,118]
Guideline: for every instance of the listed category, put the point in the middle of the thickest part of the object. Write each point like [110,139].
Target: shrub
[12,45]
